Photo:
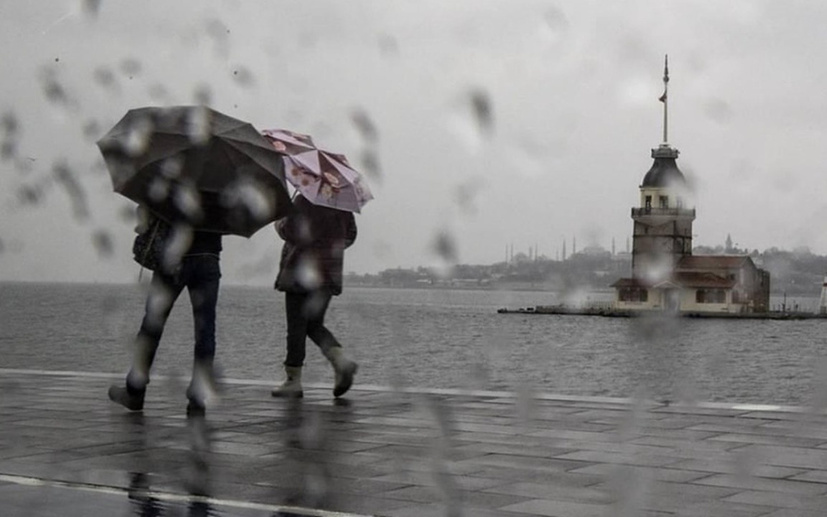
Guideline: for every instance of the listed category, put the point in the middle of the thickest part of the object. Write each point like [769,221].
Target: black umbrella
[194,165]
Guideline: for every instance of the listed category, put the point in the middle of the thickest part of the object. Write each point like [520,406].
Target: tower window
[679,202]
[664,201]
[648,203]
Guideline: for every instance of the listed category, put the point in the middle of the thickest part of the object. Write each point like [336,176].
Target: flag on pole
[665,78]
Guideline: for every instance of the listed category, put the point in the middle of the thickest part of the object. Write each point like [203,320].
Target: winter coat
[315,238]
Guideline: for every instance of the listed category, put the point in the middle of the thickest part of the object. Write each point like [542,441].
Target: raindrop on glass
[445,247]
[67,178]
[102,241]
[243,76]
[130,67]
[91,8]
[106,78]
[202,95]
[364,125]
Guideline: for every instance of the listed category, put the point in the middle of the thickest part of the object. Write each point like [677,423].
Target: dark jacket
[315,238]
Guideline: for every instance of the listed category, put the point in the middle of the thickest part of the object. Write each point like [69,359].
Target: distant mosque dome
[664,172]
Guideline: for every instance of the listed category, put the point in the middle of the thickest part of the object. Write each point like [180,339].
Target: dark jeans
[305,318]
[201,275]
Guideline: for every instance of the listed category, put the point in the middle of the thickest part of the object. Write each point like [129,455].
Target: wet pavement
[66,450]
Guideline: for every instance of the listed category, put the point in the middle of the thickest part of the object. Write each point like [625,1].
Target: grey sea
[436,339]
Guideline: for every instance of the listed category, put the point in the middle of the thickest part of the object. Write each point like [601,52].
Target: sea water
[432,338]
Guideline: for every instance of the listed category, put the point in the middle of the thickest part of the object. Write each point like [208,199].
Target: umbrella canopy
[197,166]
[323,178]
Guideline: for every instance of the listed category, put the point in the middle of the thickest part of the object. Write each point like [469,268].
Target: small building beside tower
[665,274]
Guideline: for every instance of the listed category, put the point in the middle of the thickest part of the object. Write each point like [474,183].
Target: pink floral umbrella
[322,177]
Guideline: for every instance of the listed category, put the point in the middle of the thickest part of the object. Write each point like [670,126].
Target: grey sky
[572,87]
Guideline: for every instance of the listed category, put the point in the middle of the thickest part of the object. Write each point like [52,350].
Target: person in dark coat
[192,263]
[310,274]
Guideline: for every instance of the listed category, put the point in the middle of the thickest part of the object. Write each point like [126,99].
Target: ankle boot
[127,396]
[344,369]
[292,386]
[203,389]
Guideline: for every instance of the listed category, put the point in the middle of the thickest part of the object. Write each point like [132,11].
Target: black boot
[130,398]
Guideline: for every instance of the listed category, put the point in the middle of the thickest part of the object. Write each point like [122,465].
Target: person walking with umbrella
[196,175]
[310,274]
[316,234]
[198,270]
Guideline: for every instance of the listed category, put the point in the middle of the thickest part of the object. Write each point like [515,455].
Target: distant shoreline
[494,288]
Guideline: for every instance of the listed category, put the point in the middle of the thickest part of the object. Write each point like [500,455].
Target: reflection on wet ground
[66,451]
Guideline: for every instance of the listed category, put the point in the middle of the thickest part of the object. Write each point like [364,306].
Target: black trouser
[200,275]
[305,318]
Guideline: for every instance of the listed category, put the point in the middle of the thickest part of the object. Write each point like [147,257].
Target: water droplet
[369,163]
[472,118]
[91,7]
[106,78]
[130,66]
[199,125]
[243,76]
[127,213]
[158,92]
[718,110]
[219,33]
[247,200]
[555,19]
[445,247]
[187,200]
[159,189]
[482,109]
[91,129]
[138,137]
[8,150]
[67,178]
[364,125]
[172,167]
[102,241]
[466,195]
[388,45]
[53,90]
[9,123]
[308,272]
[202,95]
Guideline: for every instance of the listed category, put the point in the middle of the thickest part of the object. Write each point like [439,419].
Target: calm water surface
[433,338]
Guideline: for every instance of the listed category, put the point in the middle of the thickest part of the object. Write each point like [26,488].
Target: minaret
[822,303]
[662,223]
[665,100]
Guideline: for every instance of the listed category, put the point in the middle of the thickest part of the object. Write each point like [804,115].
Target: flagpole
[665,99]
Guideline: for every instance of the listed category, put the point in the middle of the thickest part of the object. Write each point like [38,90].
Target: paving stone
[401,454]
[762,484]
[544,507]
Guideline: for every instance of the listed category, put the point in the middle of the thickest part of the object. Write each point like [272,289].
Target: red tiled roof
[702,279]
[696,262]
[629,282]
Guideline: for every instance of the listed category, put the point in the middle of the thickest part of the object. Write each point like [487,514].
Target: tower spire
[664,99]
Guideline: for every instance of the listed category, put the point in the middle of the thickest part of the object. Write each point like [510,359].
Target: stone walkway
[66,450]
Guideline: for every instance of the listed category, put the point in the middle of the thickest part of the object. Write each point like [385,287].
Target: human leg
[164,290]
[344,369]
[163,293]
[296,339]
[202,280]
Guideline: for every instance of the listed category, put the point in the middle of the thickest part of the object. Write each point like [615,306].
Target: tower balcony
[662,213]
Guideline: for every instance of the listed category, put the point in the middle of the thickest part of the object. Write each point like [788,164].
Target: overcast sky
[570,88]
